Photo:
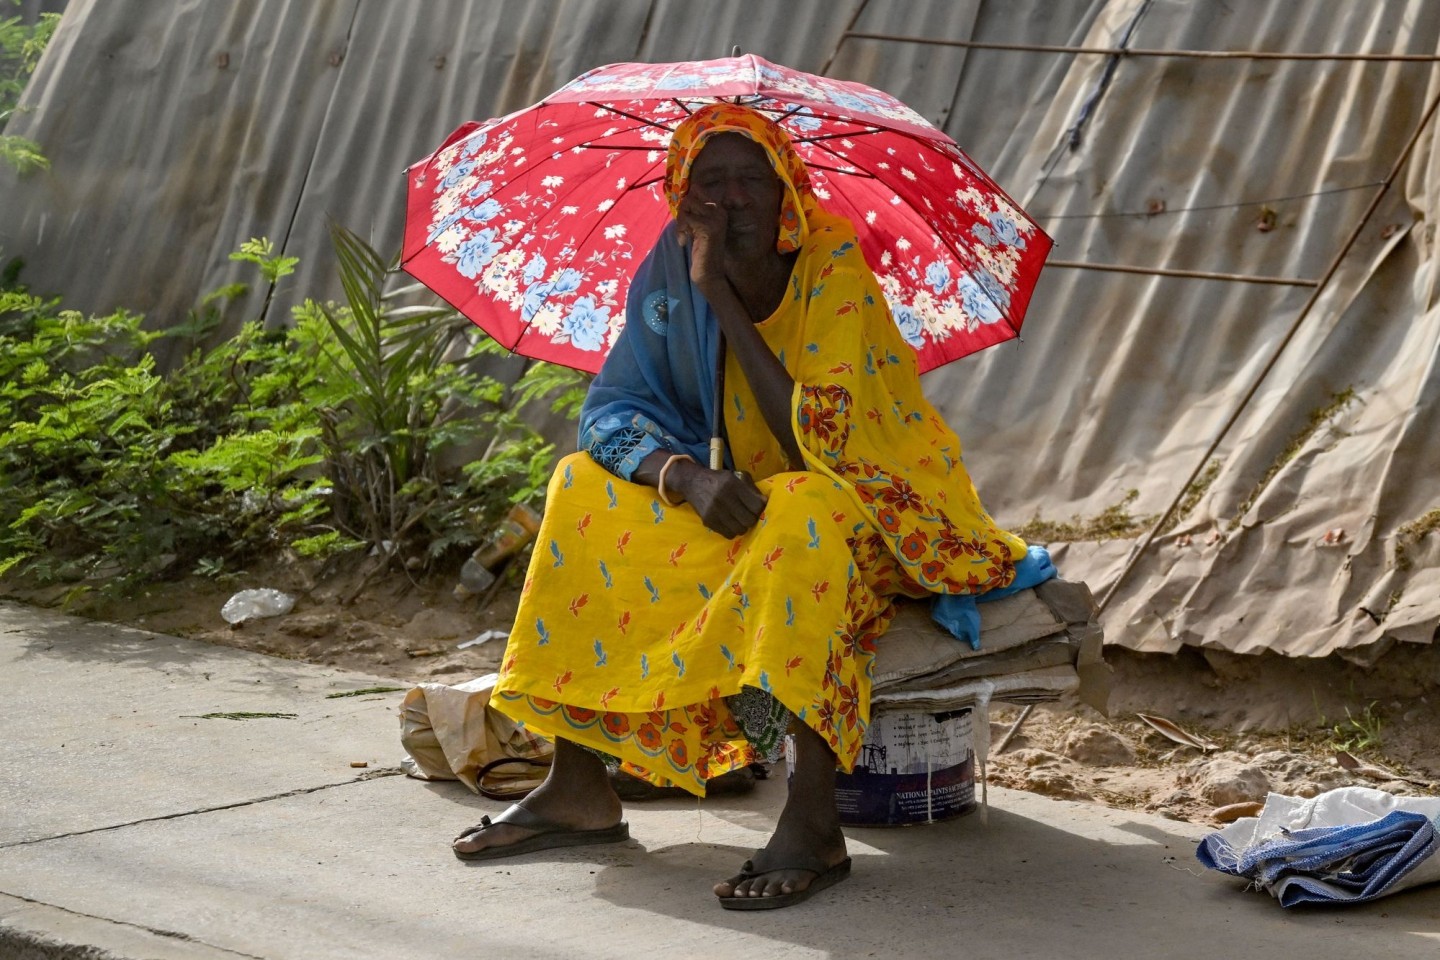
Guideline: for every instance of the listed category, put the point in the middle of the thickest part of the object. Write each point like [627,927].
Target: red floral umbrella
[532,224]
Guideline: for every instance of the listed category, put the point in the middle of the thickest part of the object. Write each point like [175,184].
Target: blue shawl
[656,388]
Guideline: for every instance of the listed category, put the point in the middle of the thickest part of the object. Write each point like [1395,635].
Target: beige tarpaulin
[1303,533]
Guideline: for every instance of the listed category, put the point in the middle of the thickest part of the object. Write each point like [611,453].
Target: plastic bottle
[510,534]
[256,604]
[474,578]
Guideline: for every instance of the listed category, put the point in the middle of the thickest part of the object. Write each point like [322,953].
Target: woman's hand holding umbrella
[727,501]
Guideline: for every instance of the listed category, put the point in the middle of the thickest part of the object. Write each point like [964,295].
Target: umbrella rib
[783,114]
[582,242]
[948,246]
[851,168]
[851,171]
[755,102]
[839,136]
[630,116]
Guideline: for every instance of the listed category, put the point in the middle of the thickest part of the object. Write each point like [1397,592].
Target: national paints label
[913,768]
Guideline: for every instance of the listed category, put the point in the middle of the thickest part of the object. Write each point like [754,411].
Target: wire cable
[1206,207]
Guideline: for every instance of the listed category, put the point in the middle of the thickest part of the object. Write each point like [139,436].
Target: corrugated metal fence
[179,129]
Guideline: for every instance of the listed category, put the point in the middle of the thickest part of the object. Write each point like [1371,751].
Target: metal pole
[1152,52]
[825,68]
[1187,274]
[1014,729]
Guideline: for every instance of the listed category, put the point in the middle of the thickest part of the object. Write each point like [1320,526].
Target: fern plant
[399,404]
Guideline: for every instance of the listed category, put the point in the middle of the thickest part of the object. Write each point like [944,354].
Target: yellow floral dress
[636,622]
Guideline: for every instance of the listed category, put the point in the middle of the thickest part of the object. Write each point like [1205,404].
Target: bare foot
[576,794]
[776,869]
[807,840]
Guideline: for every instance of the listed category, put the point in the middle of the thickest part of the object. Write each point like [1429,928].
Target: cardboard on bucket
[913,768]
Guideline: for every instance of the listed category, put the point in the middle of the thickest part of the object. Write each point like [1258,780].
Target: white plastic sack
[1348,845]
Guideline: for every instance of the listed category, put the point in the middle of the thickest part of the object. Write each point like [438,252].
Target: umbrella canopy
[532,224]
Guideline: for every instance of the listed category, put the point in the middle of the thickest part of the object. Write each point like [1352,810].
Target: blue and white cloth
[1347,845]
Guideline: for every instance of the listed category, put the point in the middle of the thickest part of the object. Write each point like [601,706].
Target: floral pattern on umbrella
[532,224]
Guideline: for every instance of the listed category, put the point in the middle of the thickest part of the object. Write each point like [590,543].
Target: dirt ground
[1263,723]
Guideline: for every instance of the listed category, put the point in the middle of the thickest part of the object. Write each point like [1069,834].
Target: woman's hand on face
[701,227]
[727,501]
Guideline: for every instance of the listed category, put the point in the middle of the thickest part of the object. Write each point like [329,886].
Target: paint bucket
[912,768]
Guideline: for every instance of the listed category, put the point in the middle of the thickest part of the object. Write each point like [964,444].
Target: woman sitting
[682,619]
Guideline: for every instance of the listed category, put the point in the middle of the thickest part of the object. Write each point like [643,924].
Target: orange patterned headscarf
[717,118]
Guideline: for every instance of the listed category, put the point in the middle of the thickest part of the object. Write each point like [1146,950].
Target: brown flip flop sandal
[551,835]
[825,876]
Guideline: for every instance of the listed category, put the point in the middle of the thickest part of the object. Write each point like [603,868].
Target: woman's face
[733,172]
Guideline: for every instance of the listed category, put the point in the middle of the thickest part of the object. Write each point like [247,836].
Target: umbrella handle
[717,442]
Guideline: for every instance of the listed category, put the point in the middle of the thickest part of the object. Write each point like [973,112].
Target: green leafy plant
[356,426]
[261,252]
[1357,734]
[117,473]
[20,47]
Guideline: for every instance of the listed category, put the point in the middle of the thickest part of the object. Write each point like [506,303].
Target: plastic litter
[511,534]
[256,604]
[485,637]
[474,578]
[509,537]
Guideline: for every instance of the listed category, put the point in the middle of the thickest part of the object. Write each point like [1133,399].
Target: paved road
[131,827]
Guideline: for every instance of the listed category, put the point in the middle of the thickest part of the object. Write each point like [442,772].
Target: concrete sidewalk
[130,827]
